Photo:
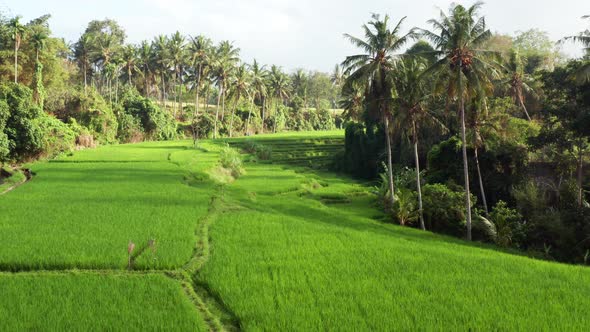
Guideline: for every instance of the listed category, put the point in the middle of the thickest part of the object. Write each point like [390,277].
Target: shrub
[231,160]
[444,209]
[90,110]
[504,225]
[263,152]
[130,129]
[4,114]
[156,123]
[22,129]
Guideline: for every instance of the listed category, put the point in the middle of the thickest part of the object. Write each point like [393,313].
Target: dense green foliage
[520,122]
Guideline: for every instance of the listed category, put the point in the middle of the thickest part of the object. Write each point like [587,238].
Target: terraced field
[314,150]
[284,247]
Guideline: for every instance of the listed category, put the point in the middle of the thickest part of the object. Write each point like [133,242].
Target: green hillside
[284,247]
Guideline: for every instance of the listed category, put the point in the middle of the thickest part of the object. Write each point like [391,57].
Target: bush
[130,129]
[504,226]
[90,110]
[4,114]
[23,127]
[362,147]
[26,132]
[444,209]
[156,124]
[263,152]
[231,160]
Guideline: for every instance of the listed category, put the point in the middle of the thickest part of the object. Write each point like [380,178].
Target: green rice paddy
[284,247]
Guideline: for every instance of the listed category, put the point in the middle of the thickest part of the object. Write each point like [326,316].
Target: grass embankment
[303,250]
[10,182]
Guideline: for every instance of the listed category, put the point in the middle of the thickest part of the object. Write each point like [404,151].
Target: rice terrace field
[284,247]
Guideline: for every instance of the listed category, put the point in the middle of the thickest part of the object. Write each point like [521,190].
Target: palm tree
[226,58]
[200,50]
[518,81]
[83,53]
[178,58]
[280,84]
[337,76]
[352,100]
[162,62]
[372,69]
[144,57]
[240,86]
[39,40]
[481,124]
[584,39]
[17,32]
[259,79]
[130,59]
[410,96]
[462,66]
[299,80]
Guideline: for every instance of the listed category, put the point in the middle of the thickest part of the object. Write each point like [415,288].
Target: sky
[292,33]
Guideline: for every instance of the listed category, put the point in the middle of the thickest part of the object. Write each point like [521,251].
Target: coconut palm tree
[17,32]
[161,63]
[280,84]
[584,39]
[200,51]
[178,58]
[145,54]
[259,86]
[462,66]
[226,57]
[482,124]
[240,86]
[518,82]
[299,81]
[337,76]
[409,98]
[352,100]
[372,69]
[130,61]
[83,54]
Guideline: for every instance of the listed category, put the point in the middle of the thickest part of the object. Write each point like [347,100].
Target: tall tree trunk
[223,103]
[217,111]
[389,162]
[263,99]
[163,92]
[252,105]
[580,177]
[16,60]
[481,187]
[465,166]
[524,108]
[418,182]
[196,116]
[231,121]
[85,77]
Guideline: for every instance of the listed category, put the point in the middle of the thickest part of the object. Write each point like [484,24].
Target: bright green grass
[291,255]
[85,302]
[82,211]
[291,249]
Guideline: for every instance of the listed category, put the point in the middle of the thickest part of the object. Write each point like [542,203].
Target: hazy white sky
[291,33]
